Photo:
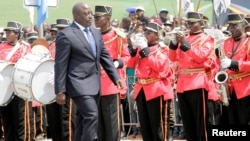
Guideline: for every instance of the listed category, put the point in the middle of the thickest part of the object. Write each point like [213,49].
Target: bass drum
[6,89]
[31,78]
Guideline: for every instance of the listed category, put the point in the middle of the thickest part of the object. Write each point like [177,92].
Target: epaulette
[120,33]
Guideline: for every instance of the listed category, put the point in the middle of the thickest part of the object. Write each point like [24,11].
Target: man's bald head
[78,6]
[82,14]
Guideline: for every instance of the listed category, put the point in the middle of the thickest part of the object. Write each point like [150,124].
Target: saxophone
[222,76]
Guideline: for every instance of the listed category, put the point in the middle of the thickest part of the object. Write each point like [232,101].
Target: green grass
[12,10]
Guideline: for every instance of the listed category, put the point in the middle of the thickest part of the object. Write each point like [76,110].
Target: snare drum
[6,89]
[30,78]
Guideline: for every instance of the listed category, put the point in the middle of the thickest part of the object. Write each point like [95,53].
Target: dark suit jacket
[77,70]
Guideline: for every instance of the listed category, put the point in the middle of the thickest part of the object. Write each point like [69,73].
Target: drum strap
[12,52]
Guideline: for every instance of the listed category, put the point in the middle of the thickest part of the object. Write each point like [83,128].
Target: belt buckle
[143,81]
[236,77]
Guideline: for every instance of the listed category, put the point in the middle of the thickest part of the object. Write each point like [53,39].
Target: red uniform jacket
[239,81]
[52,49]
[116,45]
[195,64]
[5,49]
[156,67]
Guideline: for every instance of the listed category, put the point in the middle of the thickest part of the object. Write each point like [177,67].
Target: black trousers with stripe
[109,118]
[193,109]
[38,121]
[61,120]
[239,110]
[13,116]
[153,117]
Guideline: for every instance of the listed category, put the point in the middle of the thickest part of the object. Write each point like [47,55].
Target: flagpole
[198,5]
[179,16]
[156,11]
[41,31]
[217,18]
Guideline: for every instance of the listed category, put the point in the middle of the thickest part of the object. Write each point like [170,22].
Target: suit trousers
[109,118]
[87,117]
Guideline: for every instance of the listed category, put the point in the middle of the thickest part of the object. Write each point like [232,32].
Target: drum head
[42,90]
[6,89]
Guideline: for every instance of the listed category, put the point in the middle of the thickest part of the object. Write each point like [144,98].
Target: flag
[42,11]
[186,5]
[221,6]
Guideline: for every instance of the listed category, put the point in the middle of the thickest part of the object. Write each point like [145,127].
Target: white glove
[248,34]
[1,78]
[116,63]
[225,63]
[137,39]
[173,38]
[51,79]
[141,42]
[133,40]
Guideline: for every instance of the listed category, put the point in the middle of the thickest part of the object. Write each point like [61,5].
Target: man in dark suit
[79,53]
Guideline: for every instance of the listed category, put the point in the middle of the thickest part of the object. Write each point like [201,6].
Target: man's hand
[180,37]
[60,98]
[119,84]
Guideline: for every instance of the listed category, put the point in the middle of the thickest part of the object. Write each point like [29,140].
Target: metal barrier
[130,80]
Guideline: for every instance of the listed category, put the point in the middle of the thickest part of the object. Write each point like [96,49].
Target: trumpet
[175,32]
[166,37]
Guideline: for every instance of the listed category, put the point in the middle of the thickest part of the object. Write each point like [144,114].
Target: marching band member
[116,44]
[247,28]
[14,114]
[237,65]
[214,111]
[32,36]
[193,55]
[37,116]
[153,91]
[52,39]
[61,118]
[1,35]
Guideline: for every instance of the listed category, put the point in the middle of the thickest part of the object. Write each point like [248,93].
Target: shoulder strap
[242,45]
[121,36]
[203,40]
[120,44]
[12,52]
[248,48]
